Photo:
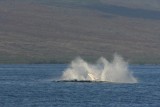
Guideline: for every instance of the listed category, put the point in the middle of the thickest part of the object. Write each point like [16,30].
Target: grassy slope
[44,32]
[144,4]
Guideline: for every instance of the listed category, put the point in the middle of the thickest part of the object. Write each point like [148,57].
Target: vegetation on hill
[57,31]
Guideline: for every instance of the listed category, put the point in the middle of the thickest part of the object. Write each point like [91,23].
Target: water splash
[115,71]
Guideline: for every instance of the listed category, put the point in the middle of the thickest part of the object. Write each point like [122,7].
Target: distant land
[57,31]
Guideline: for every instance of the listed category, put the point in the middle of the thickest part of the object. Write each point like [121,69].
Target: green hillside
[57,31]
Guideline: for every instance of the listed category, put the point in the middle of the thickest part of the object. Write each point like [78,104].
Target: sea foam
[115,71]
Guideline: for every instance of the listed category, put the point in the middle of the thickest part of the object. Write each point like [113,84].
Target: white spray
[115,71]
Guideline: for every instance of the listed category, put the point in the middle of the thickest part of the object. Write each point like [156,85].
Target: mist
[115,71]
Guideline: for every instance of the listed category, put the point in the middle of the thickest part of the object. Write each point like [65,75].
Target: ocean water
[34,86]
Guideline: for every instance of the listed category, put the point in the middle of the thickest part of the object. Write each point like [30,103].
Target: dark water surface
[33,86]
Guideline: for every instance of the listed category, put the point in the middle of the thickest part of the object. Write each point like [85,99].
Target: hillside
[56,31]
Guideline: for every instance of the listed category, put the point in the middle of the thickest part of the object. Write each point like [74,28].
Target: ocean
[34,86]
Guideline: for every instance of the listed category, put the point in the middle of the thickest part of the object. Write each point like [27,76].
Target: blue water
[32,86]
